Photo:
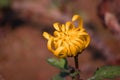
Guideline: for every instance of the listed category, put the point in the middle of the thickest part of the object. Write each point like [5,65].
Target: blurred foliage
[61,63]
[4,3]
[65,69]
[56,3]
[106,72]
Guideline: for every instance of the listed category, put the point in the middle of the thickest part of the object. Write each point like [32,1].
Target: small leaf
[106,72]
[58,77]
[61,63]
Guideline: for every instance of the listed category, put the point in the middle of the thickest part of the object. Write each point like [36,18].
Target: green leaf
[59,63]
[58,77]
[106,72]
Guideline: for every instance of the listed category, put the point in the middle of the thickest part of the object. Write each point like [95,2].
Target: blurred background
[23,50]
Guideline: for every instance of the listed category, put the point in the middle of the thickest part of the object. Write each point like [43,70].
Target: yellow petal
[87,41]
[79,19]
[49,44]
[46,35]
[80,40]
[57,26]
[69,26]
[57,34]
[75,17]
[59,43]
[67,47]
[76,44]
[63,28]
[58,52]
[73,50]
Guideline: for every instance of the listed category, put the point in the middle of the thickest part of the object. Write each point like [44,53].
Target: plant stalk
[77,77]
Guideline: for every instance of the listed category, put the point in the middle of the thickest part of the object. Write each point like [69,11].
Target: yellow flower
[68,39]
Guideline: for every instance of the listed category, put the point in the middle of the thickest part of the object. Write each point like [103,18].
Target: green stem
[76,62]
[77,77]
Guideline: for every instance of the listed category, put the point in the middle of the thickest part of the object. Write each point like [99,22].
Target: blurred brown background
[23,50]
